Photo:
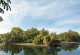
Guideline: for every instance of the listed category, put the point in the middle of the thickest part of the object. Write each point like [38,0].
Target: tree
[44,32]
[47,40]
[30,34]
[53,36]
[4,5]
[64,37]
[1,37]
[51,40]
[16,34]
[74,35]
[7,38]
[39,38]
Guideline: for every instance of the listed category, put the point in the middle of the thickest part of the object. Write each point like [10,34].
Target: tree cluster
[17,35]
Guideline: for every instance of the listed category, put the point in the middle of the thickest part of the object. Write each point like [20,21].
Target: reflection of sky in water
[21,53]
[73,52]
[3,53]
[79,47]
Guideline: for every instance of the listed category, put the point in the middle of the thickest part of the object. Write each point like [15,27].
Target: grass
[29,44]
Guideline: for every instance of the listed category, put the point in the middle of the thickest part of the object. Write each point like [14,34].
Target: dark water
[71,49]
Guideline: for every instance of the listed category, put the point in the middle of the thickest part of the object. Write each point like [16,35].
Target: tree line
[17,35]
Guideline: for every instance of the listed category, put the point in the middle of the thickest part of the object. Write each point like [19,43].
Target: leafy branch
[4,5]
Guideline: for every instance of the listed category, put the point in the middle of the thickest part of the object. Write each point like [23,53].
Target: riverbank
[29,44]
[71,42]
[41,45]
[67,43]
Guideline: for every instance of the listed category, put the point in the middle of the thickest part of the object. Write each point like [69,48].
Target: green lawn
[26,43]
[29,43]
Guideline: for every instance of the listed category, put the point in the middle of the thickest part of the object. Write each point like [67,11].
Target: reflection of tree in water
[29,50]
[40,51]
[10,48]
[70,47]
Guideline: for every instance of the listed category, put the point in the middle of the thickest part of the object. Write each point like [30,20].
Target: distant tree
[1,37]
[51,39]
[74,35]
[39,38]
[4,5]
[7,38]
[44,32]
[53,36]
[16,34]
[30,34]
[47,39]
[64,37]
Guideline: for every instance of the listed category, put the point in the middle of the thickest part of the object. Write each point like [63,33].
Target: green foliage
[70,36]
[1,37]
[74,35]
[51,39]
[64,37]
[43,32]
[30,34]
[17,35]
[7,37]
[39,38]
[54,43]
[47,39]
[53,36]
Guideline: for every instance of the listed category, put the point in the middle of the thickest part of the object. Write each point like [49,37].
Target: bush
[54,43]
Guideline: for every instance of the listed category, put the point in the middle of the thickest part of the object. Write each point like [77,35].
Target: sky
[53,15]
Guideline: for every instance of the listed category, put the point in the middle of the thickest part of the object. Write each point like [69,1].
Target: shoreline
[25,44]
[41,45]
[67,43]
[71,42]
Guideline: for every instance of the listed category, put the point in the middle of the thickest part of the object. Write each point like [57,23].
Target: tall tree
[17,34]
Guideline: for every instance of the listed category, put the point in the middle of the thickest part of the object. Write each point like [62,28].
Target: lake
[71,49]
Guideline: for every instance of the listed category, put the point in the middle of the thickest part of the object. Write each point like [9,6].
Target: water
[71,49]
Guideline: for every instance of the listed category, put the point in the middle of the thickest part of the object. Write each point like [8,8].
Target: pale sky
[53,15]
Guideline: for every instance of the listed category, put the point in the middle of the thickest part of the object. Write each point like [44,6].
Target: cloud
[14,17]
[59,30]
[62,12]
[67,22]
[2,31]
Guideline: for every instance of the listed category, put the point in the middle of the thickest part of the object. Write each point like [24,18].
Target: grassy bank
[41,45]
[70,42]
[29,44]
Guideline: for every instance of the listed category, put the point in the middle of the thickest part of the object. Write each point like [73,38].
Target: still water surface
[71,49]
